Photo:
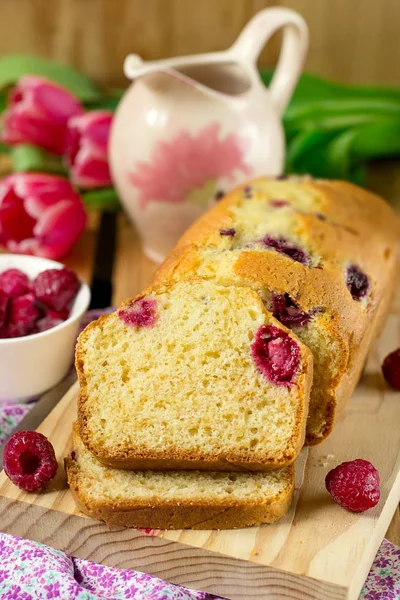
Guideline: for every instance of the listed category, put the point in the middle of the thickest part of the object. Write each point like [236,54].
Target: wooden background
[352,41]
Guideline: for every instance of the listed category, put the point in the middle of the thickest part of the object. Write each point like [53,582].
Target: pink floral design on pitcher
[187,162]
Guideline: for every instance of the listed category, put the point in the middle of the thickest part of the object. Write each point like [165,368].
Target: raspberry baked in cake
[322,257]
[193,375]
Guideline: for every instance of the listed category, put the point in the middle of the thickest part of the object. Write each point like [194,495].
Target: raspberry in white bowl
[32,306]
[41,305]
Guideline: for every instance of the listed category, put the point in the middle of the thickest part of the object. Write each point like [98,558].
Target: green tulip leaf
[377,140]
[311,88]
[109,101]
[26,157]
[101,199]
[4,149]
[306,153]
[338,155]
[3,102]
[14,66]
[306,142]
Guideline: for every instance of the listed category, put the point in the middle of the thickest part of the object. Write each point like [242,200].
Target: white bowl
[32,364]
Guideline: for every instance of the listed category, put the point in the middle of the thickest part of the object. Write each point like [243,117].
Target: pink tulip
[37,113]
[86,153]
[39,214]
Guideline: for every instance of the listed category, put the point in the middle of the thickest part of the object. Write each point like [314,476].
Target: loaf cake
[193,375]
[174,499]
[322,257]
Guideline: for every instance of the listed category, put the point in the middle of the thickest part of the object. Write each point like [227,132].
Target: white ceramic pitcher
[189,129]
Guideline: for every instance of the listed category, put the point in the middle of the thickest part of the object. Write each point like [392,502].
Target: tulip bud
[86,149]
[39,214]
[37,113]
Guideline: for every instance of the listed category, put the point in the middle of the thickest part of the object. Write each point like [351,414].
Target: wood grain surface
[351,41]
[318,550]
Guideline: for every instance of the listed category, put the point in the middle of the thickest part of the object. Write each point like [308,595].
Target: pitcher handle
[256,34]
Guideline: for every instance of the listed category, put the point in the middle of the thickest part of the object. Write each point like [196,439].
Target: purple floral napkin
[29,570]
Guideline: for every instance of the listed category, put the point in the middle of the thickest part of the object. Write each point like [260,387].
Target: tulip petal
[39,214]
[90,170]
[56,102]
[28,246]
[59,227]
[41,191]
[15,223]
[37,113]
[86,153]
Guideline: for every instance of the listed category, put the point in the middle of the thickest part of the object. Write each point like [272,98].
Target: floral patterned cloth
[29,571]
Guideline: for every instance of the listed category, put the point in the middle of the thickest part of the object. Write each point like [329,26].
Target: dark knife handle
[101,285]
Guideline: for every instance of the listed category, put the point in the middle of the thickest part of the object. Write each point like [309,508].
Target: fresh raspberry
[3,307]
[288,312]
[46,323]
[62,315]
[289,249]
[357,282]
[391,369]
[14,283]
[29,460]
[12,331]
[56,288]
[23,312]
[140,313]
[276,354]
[354,485]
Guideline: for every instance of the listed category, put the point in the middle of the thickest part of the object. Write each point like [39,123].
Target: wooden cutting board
[318,551]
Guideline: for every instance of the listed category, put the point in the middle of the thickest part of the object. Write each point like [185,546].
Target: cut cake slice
[193,376]
[176,499]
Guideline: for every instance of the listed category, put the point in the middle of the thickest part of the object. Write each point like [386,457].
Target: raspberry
[23,312]
[287,248]
[56,288]
[230,232]
[288,312]
[276,354]
[46,323]
[14,283]
[391,369]
[3,307]
[29,460]
[357,282]
[354,485]
[12,331]
[248,192]
[279,203]
[140,313]
[59,316]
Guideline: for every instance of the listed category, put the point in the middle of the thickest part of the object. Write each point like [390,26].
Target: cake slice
[176,500]
[193,376]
